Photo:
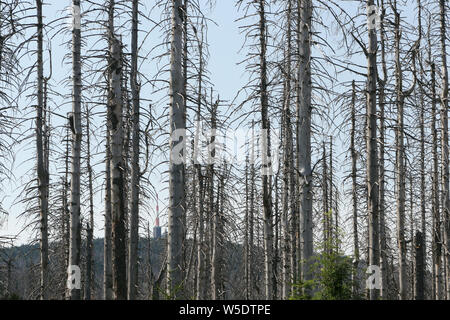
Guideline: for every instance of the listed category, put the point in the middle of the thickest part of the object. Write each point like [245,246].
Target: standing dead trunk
[266,157]
[287,156]
[325,208]
[177,206]
[381,177]
[400,153]
[75,125]
[354,194]
[436,217]
[115,124]
[107,241]
[201,248]
[371,145]
[444,147]
[304,111]
[90,230]
[135,169]
[217,286]
[41,168]
[419,266]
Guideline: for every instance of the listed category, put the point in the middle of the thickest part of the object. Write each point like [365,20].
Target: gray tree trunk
[419,266]
[304,111]
[177,207]
[444,147]
[117,167]
[135,169]
[43,179]
[354,194]
[266,157]
[372,156]
[436,216]
[107,241]
[75,225]
[287,278]
[90,229]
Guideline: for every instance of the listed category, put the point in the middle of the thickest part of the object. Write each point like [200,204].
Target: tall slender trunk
[107,241]
[444,147]
[419,266]
[201,248]
[41,170]
[304,111]
[115,119]
[177,208]
[266,157]
[435,207]
[325,202]
[135,169]
[75,120]
[217,262]
[90,230]
[354,194]
[422,156]
[371,145]
[287,156]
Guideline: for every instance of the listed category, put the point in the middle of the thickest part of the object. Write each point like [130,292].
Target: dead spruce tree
[135,170]
[115,125]
[75,125]
[445,147]
[177,154]
[371,145]
[304,113]
[43,177]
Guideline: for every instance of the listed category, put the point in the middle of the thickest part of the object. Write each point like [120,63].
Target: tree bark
[177,207]
[135,169]
[444,147]
[42,174]
[266,157]
[304,110]
[75,225]
[371,145]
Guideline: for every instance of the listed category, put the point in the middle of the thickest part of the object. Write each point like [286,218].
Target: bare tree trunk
[287,191]
[90,230]
[217,262]
[75,121]
[214,212]
[250,183]
[354,195]
[115,123]
[135,170]
[201,248]
[420,267]
[444,147]
[107,245]
[41,170]
[304,111]
[325,209]
[266,157]
[246,232]
[177,207]
[371,145]
[436,217]
[422,157]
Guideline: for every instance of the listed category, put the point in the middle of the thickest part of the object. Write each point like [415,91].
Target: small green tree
[332,275]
